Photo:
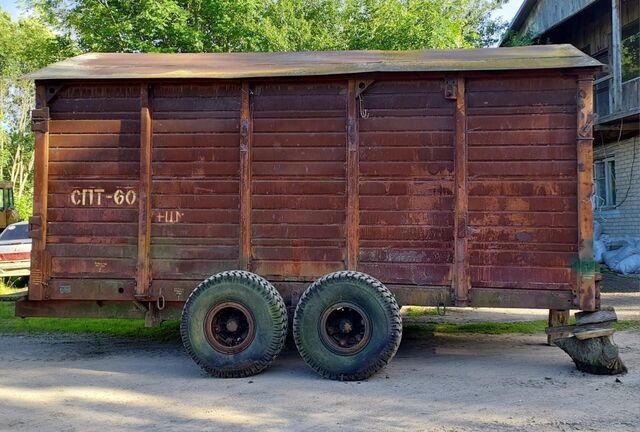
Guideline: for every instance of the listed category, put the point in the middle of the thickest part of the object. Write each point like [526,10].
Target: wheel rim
[345,328]
[229,327]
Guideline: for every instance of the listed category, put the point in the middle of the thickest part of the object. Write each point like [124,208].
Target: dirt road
[441,383]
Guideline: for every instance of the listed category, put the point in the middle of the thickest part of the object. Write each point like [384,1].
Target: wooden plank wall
[298,179]
[289,169]
[406,182]
[195,184]
[522,180]
[93,183]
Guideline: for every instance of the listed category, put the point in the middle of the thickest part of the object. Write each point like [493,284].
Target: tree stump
[589,343]
[597,355]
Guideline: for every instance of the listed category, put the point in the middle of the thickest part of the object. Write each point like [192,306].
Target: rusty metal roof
[256,65]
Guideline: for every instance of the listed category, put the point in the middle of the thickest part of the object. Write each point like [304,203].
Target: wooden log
[557,318]
[598,356]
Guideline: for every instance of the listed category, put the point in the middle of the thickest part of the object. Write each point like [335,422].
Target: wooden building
[608,30]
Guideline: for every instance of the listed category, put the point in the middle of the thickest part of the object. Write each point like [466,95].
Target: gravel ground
[438,383]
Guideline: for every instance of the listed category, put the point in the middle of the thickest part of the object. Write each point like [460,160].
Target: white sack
[614,257]
[597,230]
[630,264]
[598,249]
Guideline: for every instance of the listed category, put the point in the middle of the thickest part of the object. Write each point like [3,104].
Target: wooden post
[557,318]
[461,279]
[246,133]
[585,268]
[353,200]
[616,56]
[143,274]
[38,222]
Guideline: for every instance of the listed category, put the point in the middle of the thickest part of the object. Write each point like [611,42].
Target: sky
[10,5]
[508,11]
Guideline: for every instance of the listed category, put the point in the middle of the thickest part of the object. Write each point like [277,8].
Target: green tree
[25,46]
[270,25]
[514,39]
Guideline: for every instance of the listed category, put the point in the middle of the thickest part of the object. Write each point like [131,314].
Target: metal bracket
[450,88]
[587,130]
[52,91]
[361,87]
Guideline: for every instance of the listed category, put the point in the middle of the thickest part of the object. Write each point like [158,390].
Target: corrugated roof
[255,65]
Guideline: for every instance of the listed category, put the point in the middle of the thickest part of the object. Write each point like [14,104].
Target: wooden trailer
[449,177]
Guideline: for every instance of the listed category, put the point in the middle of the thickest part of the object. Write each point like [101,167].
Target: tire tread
[395,330]
[278,313]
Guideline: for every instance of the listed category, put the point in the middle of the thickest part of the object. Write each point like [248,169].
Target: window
[630,51]
[604,172]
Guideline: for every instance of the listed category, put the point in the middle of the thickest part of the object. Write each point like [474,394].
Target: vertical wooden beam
[143,274]
[461,279]
[353,178]
[557,318]
[616,56]
[38,222]
[585,269]
[246,132]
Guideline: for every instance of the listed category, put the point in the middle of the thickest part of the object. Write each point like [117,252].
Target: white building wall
[624,219]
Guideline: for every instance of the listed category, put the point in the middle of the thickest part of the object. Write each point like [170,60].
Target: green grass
[427,328]
[523,327]
[169,331]
[418,311]
[11,285]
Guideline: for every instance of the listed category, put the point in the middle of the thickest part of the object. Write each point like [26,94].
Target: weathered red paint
[470,196]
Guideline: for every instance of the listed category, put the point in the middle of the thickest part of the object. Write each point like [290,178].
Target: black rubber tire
[268,310]
[374,299]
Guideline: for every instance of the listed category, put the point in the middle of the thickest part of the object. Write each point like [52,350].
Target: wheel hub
[345,328]
[229,327]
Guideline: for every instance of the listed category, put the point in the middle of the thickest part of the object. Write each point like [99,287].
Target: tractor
[8,213]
